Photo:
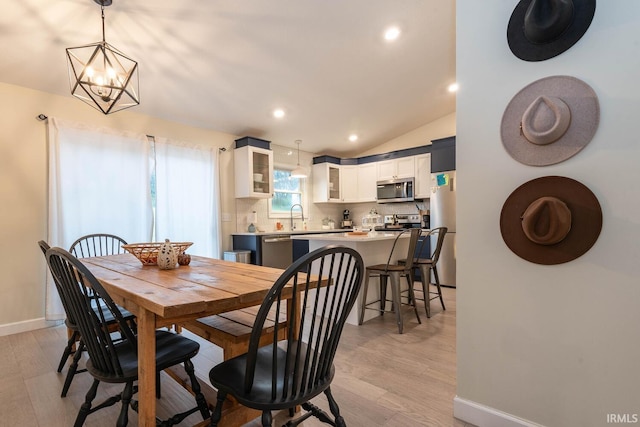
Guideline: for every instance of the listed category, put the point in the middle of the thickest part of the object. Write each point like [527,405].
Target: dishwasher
[277,251]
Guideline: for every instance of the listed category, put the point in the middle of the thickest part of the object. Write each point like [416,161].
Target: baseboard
[485,416]
[27,325]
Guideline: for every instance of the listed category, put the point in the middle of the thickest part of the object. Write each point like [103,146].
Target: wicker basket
[147,253]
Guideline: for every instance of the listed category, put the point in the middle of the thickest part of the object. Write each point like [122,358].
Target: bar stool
[395,272]
[425,265]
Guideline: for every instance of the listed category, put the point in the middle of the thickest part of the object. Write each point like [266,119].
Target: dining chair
[114,361]
[75,345]
[426,265]
[99,244]
[324,284]
[74,337]
[394,271]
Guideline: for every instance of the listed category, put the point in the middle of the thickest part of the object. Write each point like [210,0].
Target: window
[287,192]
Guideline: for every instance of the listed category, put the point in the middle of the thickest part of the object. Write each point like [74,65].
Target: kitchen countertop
[294,232]
[345,237]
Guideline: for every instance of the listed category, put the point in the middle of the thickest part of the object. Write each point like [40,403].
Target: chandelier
[102,76]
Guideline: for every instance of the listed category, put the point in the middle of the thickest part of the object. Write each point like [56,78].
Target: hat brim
[526,50]
[586,220]
[585,117]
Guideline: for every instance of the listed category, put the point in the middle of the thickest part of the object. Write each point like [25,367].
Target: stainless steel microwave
[395,190]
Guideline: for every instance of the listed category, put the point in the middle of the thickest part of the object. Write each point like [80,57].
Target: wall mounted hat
[551,220]
[542,29]
[550,120]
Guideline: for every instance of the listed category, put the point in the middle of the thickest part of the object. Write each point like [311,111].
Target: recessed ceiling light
[391,33]
[278,113]
[353,137]
[453,87]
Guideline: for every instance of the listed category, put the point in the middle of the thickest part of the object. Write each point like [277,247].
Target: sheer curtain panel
[99,182]
[187,195]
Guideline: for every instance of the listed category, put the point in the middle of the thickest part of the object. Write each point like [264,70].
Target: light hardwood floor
[382,378]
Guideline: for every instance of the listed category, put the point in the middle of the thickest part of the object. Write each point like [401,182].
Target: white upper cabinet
[340,181]
[349,183]
[344,183]
[403,167]
[423,176]
[326,183]
[367,177]
[253,172]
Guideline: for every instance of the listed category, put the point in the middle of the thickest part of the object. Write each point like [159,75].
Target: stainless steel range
[400,221]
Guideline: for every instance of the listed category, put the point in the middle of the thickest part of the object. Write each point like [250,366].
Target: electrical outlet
[226,217]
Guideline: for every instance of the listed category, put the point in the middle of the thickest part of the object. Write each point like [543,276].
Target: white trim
[485,416]
[27,325]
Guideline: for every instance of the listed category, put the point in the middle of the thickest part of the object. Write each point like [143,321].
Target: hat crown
[546,221]
[546,20]
[545,120]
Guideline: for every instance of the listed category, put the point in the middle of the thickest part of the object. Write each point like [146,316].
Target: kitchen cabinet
[443,154]
[326,183]
[423,176]
[334,183]
[253,172]
[349,181]
[367,177]
[403,167]
[255,243]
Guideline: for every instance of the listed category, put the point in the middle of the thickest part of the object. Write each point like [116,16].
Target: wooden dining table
[162,298]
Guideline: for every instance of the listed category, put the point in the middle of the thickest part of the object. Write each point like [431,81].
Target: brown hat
[550,120]
[551,220]
[542,29]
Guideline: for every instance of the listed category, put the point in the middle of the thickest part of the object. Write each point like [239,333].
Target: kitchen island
[374,247]
[280,255]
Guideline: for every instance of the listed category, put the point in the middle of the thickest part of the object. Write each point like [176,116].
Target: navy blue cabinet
[249,243]
[300,248]
[443,154]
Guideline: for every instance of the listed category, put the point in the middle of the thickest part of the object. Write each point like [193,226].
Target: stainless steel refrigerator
[443,214]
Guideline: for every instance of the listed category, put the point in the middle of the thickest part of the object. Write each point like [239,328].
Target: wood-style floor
[382,378]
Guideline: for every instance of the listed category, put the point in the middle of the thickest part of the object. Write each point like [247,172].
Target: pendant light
[102,76]
[299,171]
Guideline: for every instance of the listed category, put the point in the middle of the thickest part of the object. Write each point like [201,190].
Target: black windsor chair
[97,245]
[75,346]
[114,361]
[285,374]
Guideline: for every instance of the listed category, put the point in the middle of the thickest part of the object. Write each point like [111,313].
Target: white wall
[440,128]
[556,345]
[23,189]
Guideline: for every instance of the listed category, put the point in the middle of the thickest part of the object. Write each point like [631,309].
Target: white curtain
[188,195]
[99,182]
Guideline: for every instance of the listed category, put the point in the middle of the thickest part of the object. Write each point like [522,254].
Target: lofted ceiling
[226,65]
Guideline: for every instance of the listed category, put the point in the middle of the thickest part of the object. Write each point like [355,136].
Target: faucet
[291,215]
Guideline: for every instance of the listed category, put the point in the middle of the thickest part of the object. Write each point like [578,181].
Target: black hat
[542,29]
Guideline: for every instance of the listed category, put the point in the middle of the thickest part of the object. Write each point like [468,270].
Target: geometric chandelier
[102,76]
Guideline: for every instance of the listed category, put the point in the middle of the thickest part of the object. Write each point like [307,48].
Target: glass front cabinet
[326,183]
[253,172]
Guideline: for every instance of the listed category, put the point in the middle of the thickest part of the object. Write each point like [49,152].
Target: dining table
[163,298]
